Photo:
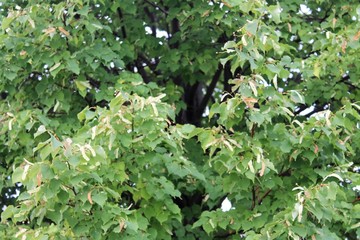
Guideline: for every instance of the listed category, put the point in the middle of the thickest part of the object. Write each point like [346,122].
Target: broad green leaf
[99,198]
[55,69]
[40,131]
[275,11]
[55,142]
[45,152]
[5,22]
[82,86]
[257,117]
[317,69]
[73,66]
[252,26]
[273,68]
[187,128]
[7,213]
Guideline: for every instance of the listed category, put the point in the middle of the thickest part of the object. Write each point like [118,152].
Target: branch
[209,91]
[309,17]
[253,199]
[356,200]
[227,77]
[345,79]
[142,72]
[152,17]
[264,196]
[157,7]
[282,174]
[327,12]
[121,18]
[285,173]
[66,36]
[151,65]
[175,28]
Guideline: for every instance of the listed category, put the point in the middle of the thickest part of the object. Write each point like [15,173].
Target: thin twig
[264,196]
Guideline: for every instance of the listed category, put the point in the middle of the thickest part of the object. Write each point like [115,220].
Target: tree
[136,119]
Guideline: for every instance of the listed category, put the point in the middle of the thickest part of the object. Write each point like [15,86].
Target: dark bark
[192,97]
[123,31]
[209,92]
[227,76]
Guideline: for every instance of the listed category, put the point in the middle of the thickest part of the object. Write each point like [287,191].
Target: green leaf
[73,66]
[273,68]
[232,3]
[55,69]
[187,128]
[5,22]
[47,172]
[82,86]
[207,139]
[317,69]
[257,117]
[101,124]
[99,197]
[55,143]
[10,75]
[113,193]
[7,213]
[133,226]
[297,97]
[275,11]
[40,131]
[55,216]
[252,26]
[45,152]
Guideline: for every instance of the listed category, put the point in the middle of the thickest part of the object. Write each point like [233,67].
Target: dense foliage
[136,119]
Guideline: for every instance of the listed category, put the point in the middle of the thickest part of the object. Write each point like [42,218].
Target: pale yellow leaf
[288,111]
[88,146]
[38,178]
[26,170]
[56,65]
[251,166]
[89,198]
[83,153]
[121,224]
[49,31]
[226,143]
[62,30]
[263,167]
[243,40]
[32,23]
[154,109]
[275,81]
[253,87]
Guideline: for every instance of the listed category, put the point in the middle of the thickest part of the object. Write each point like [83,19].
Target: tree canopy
[136,119]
